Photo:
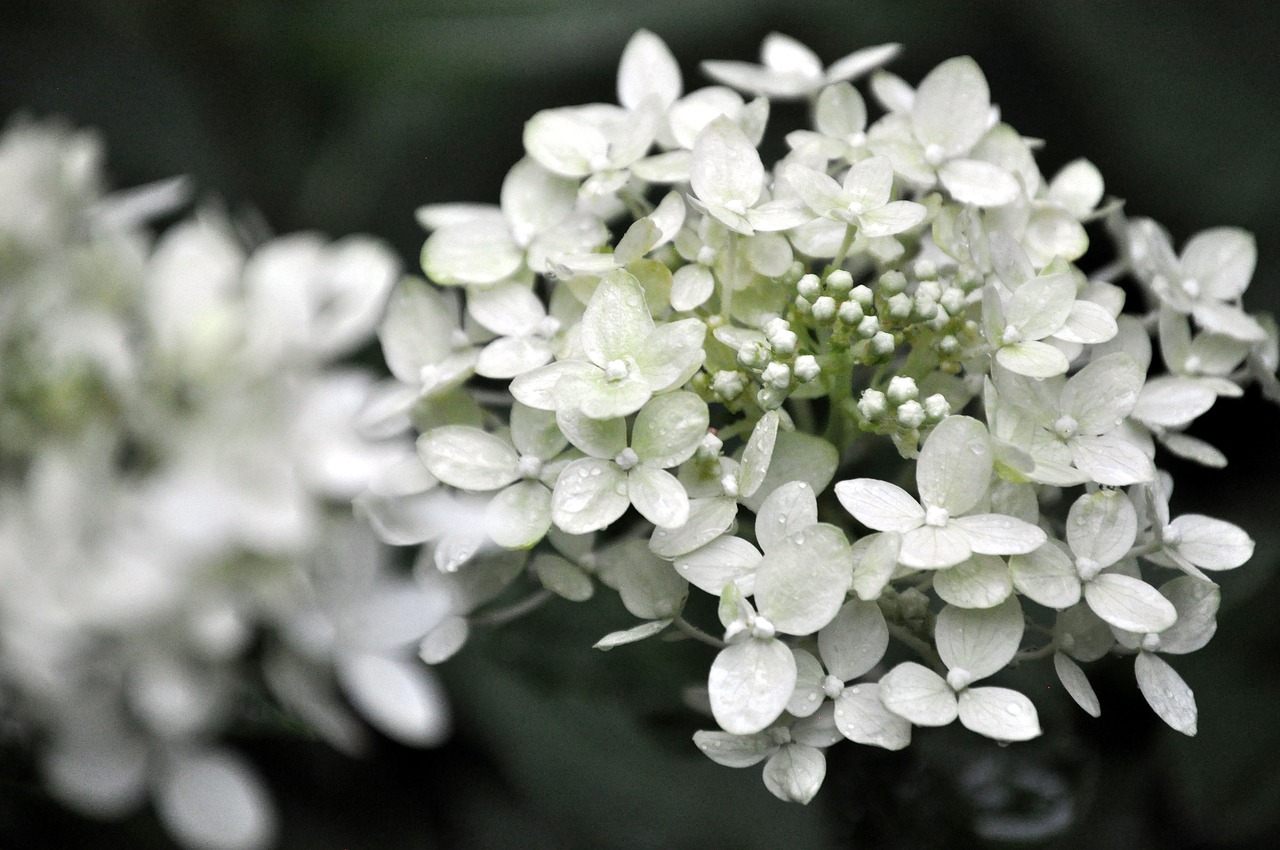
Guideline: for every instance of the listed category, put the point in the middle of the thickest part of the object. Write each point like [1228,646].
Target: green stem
[514,611]
[698,634]
[919,645]
[850,234]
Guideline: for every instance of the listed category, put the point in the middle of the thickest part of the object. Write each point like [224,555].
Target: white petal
[1102,526]
[1166,692]
[758,454]
[708,519]
[565,142]
[723,561]
[802,582]
[1129,603]
[616,322]
[950,106]
[403,700]
[520,515]
[1033,359]
[997,534]
[735,750]
[972,181]
[669,428]
[862,718]
[510,356]
[891,219]
[954,468]
[631,635]
[1077,684]
[468,458]
[931,547]
[1221,260]
[861,61]
[647,69]
[1211,544]
[980,641]
[999,713]
[1111,460]
[1077,187]
[855,641]
[983,581]
[214,801]
[479,252]
[1171,401]
[726,167]
[879,504]
[691,286]
[918,694]
[658,496]
[750,684]
[1101,394]
[586,496]
[789,509]
[1047,576]
[418,329]
[795,772]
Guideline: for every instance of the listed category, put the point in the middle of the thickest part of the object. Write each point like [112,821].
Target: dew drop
[1012,708]
[839,712]
[595,472]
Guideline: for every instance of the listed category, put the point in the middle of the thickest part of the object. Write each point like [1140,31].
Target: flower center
[934,155]
[959,678]
[1087,568]
[616,370]
[627,458]
[936,516]
[529,466]
[1066,427]
[1011,336]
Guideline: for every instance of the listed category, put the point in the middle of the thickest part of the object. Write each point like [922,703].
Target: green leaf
[669,428]
[854,641]
[918,694]
[631,635]
[795,773]
[468,458]
[589,495]
[519,516]
[862,718]
[750,684]
[801,584]
[1165,691]
[979,641]
[999,713]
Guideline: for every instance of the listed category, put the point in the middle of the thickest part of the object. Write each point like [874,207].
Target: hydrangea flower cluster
[660,366]
[177,458]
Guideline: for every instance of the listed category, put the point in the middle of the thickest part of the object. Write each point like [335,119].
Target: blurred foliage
[345,116]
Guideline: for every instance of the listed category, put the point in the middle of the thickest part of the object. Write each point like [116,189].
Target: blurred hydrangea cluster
[177,460]
[862,405]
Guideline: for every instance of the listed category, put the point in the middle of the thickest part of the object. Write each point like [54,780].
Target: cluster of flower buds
[690,358]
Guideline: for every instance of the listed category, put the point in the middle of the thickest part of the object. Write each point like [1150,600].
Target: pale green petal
[758,453]
[999,713]
[1172,401]
[597,396]
[796,457]
[874,559]
[750,684]
[855,641]
[1166,692]
[538,388]
[589,495]
[735,750]
[478,252]
[443,642]
[468,458]
[691,286]
[1129,603]
[1033,358]
[1211,544]
[972,181]
[669,428]
[1082,634]
[820,192]
[672,354]
[918,694]
[795,772]
[1101,394]
[879,505]
[840,111]
[979,641]
[649,586]
[602,438]
[535,433]
[1076,684]
[983,581]
[1196,602]
[1111,460]
[507,357]
[1052,232]
[931,547]
[1228,320]
[726,167]
[519,516]
[658,496]
[1040,306]
[789,509]
[868,184]
[616,322]
[1221,260]
[418,330]
[890,219]
[951,105]
[631,635]
[808,694]
[862,718]
[801,584]
[534,199]
[1088,323]
[1102,526]
[708,519]
[507,309]
[1047,576]
[564,141]
[647,69]
[723,561]
[563,578]
[1077,187]
[954,468]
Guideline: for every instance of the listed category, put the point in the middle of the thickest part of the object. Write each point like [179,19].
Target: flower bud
[839,282]
[901,389]
[873,405]
[824,309]
[810,287]
[910,415]
[882,344]
[850,313]
[892,283]
[807,368]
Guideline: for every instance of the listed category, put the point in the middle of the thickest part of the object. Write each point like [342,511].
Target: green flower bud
[809,286]
[850,312]
[892,283]
[839,282]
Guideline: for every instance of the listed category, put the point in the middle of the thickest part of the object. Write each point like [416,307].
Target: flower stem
[514,611]
[698,634]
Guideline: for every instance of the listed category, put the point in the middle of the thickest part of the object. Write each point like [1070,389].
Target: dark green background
[345,116]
